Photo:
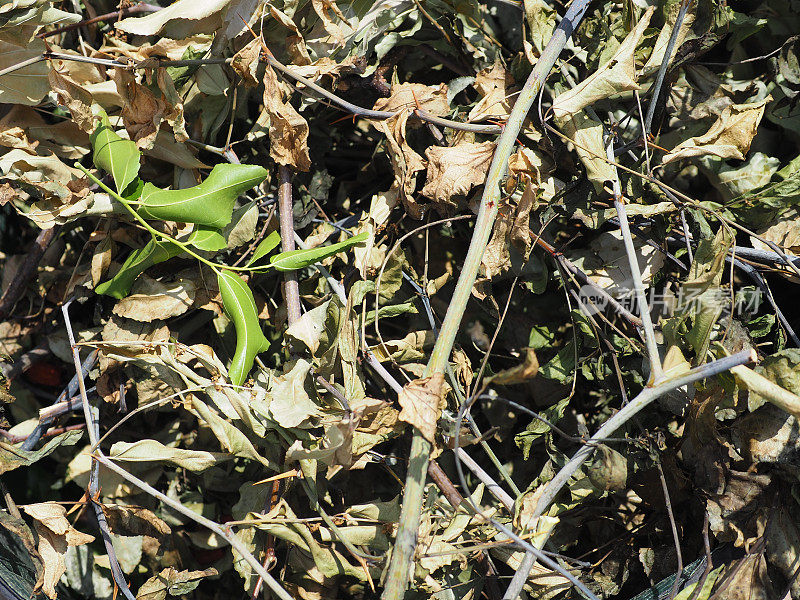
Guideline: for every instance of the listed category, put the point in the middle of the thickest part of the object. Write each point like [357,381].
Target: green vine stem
[152,230]
[401,564]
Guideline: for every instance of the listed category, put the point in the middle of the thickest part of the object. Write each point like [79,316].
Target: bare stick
[662,70]
[92,427]
[636,275]
[291,291]
[406,541]
[491,485]
[676,538]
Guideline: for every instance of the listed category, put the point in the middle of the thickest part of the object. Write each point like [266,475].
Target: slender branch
[675,537]
[291,291]
[223,532]
[93,427]
[491,485]
[406,540]
[662,70]
[636,275]
[379,115]
[645,397]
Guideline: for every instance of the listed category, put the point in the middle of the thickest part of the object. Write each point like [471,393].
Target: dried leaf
[455,171]
[422,403]
[134,520]
[729,137]
[173,582]
[614,77]
[288,131]
[152,300]
[153,451]
[290,403]
[75,98]
[56,534]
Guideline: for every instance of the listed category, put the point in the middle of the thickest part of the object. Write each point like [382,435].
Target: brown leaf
[143,113]
[151,300]
[617,75]
[422,403]
[288,131]
[74,97]
[455,170]
[406,163]
[521,373]
[492,84]
[134,520]
[55,536]
[410,96]
[101,259]
[245,62]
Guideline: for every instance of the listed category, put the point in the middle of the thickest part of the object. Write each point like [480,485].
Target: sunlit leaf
[297,259]
[208,203]
[137,262]
[113,154]
[237,299]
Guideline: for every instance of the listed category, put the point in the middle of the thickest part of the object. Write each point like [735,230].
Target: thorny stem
[406,541]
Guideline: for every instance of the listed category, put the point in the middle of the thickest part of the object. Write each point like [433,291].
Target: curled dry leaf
[143,112]
[492,83]
[422,403]
[288,131]
[406,162]
[75,98]
[454,171]
[729,137]
[56,534]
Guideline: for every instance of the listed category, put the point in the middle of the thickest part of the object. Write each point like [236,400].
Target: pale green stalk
[401,564]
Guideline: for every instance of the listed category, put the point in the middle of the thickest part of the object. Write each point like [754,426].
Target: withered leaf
[454,171]
[288,131]
[422,403]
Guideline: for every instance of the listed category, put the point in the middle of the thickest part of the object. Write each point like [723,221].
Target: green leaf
[209,203]
[138,261]
[267,245]
[113,154]
[207,238]
[237,299]
[297,259]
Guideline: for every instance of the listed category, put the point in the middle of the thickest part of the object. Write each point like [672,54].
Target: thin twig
[662,70]
[224,532]
[643,399]
[636,275]
[406,540]
[676,538]
[92,427]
